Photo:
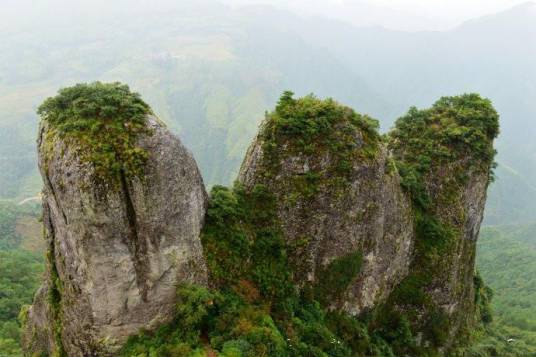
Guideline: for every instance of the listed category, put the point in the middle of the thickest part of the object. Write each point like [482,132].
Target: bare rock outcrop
[338,198]
[446,155]
[118,249]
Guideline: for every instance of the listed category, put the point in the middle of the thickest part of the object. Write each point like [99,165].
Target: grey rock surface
[120,249]
[453,287]
[370,214]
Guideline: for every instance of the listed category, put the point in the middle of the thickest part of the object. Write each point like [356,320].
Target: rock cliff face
[452,288]
[410,207]
[355,215]
[359,221]
[445,154]
[117,249]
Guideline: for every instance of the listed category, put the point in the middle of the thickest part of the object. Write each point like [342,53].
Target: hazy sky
[395,14]
[411,15]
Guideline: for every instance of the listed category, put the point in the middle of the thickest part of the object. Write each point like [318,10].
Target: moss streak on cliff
[334,279]
[55,296]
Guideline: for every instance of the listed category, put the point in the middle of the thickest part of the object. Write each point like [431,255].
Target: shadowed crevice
[137,246]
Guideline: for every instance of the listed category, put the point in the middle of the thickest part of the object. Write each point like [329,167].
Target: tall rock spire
[122,223]
[339,201]
[445,156]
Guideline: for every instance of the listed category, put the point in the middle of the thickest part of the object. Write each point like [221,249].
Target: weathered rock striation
[118,248]
[338,197]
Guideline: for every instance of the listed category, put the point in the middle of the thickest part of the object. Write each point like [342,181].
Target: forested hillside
[507,261]
[21,265]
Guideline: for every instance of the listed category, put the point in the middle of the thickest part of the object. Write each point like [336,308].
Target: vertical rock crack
[137,246]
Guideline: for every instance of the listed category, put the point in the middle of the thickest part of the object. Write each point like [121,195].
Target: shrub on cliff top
[454,128]
[105,119]
[312,120]
[312,126]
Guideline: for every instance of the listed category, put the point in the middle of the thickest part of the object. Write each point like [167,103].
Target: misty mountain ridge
[218,68]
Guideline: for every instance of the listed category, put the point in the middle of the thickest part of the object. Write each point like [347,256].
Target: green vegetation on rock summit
[105,119]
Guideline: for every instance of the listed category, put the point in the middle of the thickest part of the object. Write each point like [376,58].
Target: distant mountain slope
[493,56]
[211,71]
[21,267]
[208,71]
[507,261]
[512,198]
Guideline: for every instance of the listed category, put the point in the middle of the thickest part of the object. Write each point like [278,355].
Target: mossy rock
[335,192]
[102,120]
[445,158]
